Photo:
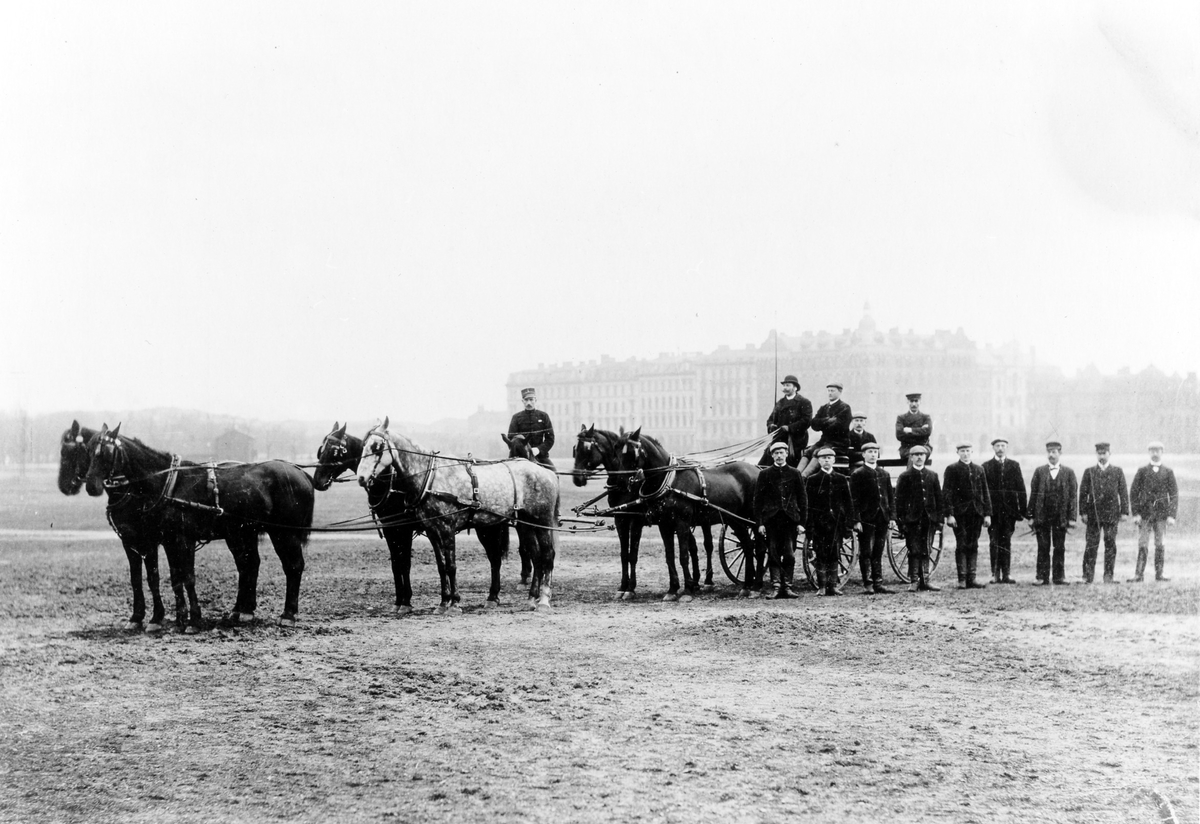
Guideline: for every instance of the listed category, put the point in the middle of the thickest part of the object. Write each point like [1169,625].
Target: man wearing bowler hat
[968,508]
[1155,501]
[1006,485]
[914,427]
[781,509]
[1053,509]
[788,422]
[831,514]
[535,425]
[1103,504]
[919,513]
[833,422]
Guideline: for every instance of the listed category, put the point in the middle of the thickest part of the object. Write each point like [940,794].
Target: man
[858,437]
[1006,485]
[1155,500]
[968,508]
[914,427]
[833,422]
[830,513]
[1053,502]
[789,421]
[535,425]
[871,489]
[919,512]
[781,509]
[1103,504]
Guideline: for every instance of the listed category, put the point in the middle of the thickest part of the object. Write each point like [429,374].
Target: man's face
[857,425]
[914,405]
[1102,455]
[826,462]
[1156,454]
[1000,448]
[834,393]
[870,456]
[779,456]
[918,459]
[789,390]
[1053,454]
[964,454]
[530,402]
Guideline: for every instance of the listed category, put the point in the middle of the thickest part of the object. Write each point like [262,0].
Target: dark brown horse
[139,531]
[200,503]
[685,495]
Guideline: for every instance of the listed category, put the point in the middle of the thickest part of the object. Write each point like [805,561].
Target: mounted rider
[535,426]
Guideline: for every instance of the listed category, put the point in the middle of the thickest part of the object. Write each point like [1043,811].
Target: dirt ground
[1008,704]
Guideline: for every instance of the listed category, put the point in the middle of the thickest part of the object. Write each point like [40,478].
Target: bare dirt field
[1009,704]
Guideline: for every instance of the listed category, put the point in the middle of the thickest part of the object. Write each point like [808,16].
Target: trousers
[1091,548]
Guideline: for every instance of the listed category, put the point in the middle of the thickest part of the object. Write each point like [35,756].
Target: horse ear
[621,430]
[341,433]
[635,434]
[335,426]
[386,418]
[74,433]
[116,431]
[582,429]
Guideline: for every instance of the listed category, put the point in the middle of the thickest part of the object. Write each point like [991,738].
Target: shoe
[913,587]
[1062,583]
[832,591]
[1087,580]
[784,592]
[821,593]
[994,580]
[755,593]
[1041,582]
[927,587]
[962,584]
[1161,578]
[1108,579]
[1136,580]
[880,589]
[975,585]
[1007,580]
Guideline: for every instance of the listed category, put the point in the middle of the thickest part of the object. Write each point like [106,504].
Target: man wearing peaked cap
[788,422]
[1154,497]
[1053,509]
[535,425]
[871,489]
[1103,504]
[1006,485]
[968,508]
[831,515]
[914,427]
[833,422]
[780,509]
[919,513]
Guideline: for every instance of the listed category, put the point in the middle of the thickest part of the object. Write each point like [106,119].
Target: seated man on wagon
[833,422]
[859,436]
[788,422]
[535,425]
[913,427]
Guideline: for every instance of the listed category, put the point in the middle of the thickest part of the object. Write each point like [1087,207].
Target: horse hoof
[685,599]
[248,618]
[533,603]
[629,596]
[543,605]
[755,593]
[671,596]
[154,628]
[133,626]
[490,604]
[620,596]
[403,610]
[709,588]
[190,630]
[449,609]
[287,620]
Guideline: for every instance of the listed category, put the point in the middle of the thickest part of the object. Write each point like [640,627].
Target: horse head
[73,458]
[106,456]
[589,454]
[377,455]
[631,456]
[337,453]
[518,447]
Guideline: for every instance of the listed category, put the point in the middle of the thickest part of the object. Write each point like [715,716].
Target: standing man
[1053,502]
[1103,503]
[858,437]
[830,514]
[871,489]
[788,422]
[968,508]
[919,511]
[1006,485]
[535,425]
[1155,499]
[833,422]
[781,509]
[914,427]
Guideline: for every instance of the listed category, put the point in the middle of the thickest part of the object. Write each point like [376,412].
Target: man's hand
[1070,524]
[762,530]
[783,428]
[908,430]
[892,525]
[858,527]
[1083,518]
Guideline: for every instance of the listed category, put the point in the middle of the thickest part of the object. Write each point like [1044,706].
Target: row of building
[698,401]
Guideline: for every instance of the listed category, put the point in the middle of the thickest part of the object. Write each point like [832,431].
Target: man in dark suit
[859,436]
[1006,485]
[871,489]
[914,427]
[919,513]
[1155,501]
[535,425]
[781,509]
[789,421]
[968,508]
[1053,509]
[1103,504]
[833,422]
[831,513]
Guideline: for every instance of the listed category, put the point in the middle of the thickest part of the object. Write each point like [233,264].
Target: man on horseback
[535,425]
[788,422]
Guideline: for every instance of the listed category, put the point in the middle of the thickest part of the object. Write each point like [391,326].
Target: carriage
[732,552]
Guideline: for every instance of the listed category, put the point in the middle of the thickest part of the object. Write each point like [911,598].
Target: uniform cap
[918,450]
[791,379]
[528,392]
[999,440]
[826,450]
[778,445]
[858,417]
[834,385]
[1053,445]
[964,445]
[913,396]
[1156,445]
[869,445]
[1103,446]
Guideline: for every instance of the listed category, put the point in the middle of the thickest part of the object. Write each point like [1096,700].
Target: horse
[447,495]
[686,495]
[197,503]
[139,533]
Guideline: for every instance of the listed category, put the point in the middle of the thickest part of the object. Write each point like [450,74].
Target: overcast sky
[291,210]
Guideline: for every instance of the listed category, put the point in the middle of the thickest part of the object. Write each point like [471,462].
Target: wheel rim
[732,555]
[898,555]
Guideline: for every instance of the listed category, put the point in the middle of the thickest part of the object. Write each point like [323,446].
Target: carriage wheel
[732,555]
[847,554]
[898,553]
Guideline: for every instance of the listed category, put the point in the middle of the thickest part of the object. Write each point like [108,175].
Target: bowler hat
[791,379]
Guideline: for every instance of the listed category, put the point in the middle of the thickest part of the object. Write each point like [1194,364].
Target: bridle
[111,478]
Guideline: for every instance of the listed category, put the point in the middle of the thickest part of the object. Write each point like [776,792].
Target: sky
[300,210]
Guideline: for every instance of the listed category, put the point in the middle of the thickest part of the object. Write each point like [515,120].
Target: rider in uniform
[535,425]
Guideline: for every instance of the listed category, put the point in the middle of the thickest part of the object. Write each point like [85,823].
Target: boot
[880,589]
[972,560]
[973,584]
[1160,557]
[914,577]
[925,585]
[831,580]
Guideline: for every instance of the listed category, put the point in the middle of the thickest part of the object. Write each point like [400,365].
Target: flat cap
[999,440]
[778,445]
[858,416]
[826,450]
[964,445]
[1103,446]
[1053,445]
[528,392]
[918,450]
[791,379]
[834,385]
[1156,445]
[869,445]
[913,396]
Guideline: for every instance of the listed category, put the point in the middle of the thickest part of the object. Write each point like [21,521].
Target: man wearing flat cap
[535,425]
[859,436]
[968,508]
[781,509]
[871,489]
[833,422]
[1053,509]
[831,514]
[914,427]
[1103,504]
[1155,502]
[788,422]
[919,513]
[1006,485]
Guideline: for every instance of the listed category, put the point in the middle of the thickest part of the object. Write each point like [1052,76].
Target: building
[232,445]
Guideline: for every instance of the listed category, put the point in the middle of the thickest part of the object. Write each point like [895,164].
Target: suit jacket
[872,492]
[535,425]
[830,504]
[1103,495]
[856,443]
[918,497]
[965,491]
[1068,492]
[922,428]
[1006,485]
[780,489]
[833,422]
[1155,495]
[796,415]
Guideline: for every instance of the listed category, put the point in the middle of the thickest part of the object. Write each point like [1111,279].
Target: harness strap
[475,503]
[216,492]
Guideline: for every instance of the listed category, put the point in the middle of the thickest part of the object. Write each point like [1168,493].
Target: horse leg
[152,580]
[495,545]
[244,549]
[443,542]
[668,536]
[623,533]
[545,561]
[635,543]
[135,583]
[687,558]
[399,541]
[708,551]
[182,560]
[526,562]
[290,549]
